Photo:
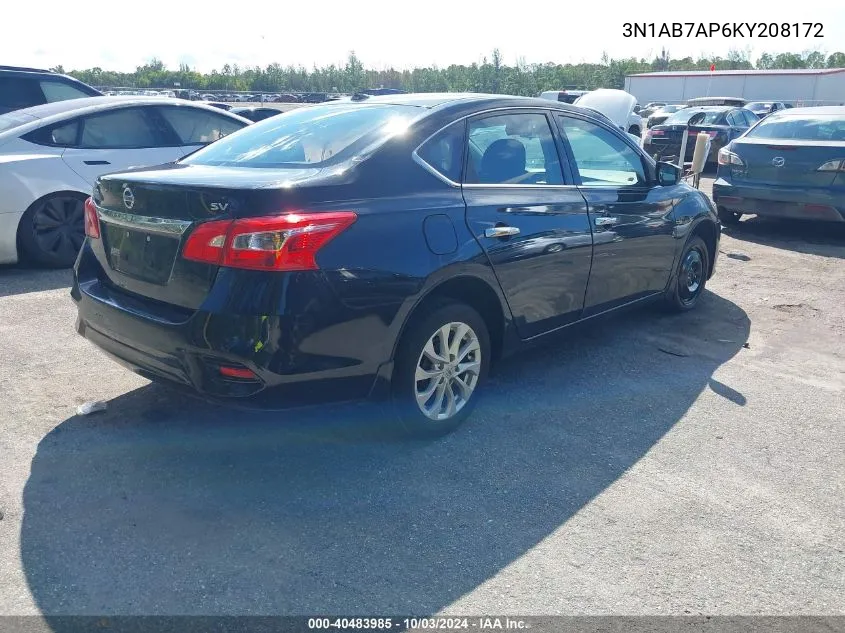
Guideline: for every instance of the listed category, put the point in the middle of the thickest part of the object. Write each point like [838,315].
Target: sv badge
[218,206]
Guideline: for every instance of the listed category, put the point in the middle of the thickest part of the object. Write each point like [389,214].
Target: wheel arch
[473,290]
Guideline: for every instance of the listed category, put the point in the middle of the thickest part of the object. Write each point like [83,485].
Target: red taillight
[237,372]
[285,242]
[658,133]
[206,243]
[92,222]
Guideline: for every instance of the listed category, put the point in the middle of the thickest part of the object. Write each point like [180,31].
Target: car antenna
[360,96]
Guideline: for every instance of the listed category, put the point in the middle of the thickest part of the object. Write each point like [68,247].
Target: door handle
[605,221]
[501,231]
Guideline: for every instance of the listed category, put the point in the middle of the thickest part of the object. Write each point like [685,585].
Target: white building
[798,87]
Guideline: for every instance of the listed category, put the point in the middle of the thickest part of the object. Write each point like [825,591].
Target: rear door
[632,219]
[197,127]
[529,219]
[115,140]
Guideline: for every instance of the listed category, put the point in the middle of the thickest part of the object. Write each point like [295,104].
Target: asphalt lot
[650,464]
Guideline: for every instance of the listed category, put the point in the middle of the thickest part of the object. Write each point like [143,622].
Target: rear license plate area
[145,256]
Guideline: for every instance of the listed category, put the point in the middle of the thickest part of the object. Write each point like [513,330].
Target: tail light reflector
[237,372]
[92,222]
[657,133]
[833,165]
[285,242]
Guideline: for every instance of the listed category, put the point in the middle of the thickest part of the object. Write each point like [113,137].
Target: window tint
[750,117]
[512,149]
[801,127]
[194,126]
[61,91]
[602,158]
[444,152]
[311,136]
[125,128]
[736,119]
[695,117]
[19,92]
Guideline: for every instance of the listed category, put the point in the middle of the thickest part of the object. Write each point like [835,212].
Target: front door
[633,224]
[532,225]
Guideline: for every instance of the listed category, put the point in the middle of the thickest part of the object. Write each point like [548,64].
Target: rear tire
[728,217]
[52,230]
[442,361]
[634,130]
[690,277]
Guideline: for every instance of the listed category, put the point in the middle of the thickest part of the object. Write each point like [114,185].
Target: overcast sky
[206,35]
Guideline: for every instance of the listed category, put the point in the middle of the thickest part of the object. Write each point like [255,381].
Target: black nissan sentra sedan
[391,247]
[790,165]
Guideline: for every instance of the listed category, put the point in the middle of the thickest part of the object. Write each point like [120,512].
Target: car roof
[57,111]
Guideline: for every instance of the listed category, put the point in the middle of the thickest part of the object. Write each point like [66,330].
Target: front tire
[691,276]
[442,361]
[52,230]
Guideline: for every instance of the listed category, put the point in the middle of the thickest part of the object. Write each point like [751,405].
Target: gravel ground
[649,464]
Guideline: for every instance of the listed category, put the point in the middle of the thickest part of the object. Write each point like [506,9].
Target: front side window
[602,158]
[121,129]
[61,91]
[195,126]
[309,136]
[444,152]
[514,149]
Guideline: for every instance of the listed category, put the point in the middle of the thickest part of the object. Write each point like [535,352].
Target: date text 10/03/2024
[723,29]
[419,624]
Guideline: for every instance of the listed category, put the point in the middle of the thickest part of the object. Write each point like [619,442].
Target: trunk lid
[786,162]
[147,215]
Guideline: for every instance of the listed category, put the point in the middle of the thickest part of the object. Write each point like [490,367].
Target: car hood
[616,105]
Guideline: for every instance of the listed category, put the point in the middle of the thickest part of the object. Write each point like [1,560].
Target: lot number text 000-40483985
[723,29]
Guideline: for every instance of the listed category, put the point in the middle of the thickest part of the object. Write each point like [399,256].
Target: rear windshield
[702,117]
[312,135]
[14,119]
[801,127]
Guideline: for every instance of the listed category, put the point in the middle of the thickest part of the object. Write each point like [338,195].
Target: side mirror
[668,174]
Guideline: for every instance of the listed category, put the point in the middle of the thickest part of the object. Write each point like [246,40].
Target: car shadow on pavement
[813,238]
[18,280]
[162,505]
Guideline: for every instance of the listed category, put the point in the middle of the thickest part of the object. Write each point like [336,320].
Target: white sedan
[50,156]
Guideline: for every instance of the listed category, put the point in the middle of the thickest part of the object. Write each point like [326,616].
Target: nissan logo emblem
[129,198]
[778,161]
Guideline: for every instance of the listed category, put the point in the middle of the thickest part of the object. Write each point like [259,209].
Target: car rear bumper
[290,368]
[799,203]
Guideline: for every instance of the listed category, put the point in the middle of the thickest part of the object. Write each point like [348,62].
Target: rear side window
[194,126]
[61,91]
[602,157]
[19,92]
[444,152]
[122,129]
[309,136]
[750,117]
[801,128]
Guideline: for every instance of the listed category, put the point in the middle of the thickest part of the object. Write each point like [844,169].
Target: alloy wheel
[447,371]
[59,227]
